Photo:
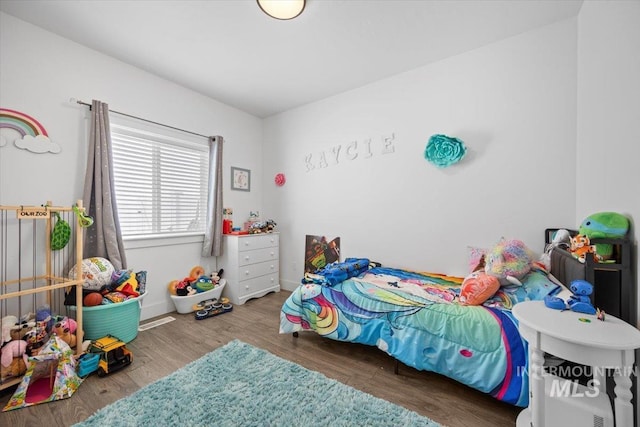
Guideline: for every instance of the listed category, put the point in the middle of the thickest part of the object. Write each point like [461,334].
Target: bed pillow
[535,286]
[477,288]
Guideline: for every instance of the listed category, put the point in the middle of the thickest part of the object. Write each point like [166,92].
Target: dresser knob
[272,267]
[272,280]
[272,253]
[246,258]
[246,272]
[246,287]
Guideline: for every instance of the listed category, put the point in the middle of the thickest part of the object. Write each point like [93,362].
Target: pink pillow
[477,288]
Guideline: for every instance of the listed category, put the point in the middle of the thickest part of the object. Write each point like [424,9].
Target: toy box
[120,319]
[185,304]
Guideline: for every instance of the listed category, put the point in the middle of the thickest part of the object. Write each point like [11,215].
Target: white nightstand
[580,338]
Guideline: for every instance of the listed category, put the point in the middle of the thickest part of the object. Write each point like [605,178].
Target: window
[160,180]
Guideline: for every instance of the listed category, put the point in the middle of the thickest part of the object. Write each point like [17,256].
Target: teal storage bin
[118,319]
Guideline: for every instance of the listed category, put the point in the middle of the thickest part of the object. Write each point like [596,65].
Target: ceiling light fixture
[282,9]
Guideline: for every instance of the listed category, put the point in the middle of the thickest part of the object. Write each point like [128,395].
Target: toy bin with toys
[185,304]
[121,319]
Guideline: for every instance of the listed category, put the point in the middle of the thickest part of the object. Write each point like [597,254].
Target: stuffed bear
[7,324]
[16,368]
[12,350]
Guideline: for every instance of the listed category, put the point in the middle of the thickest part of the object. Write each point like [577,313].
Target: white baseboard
[289,285]
[157,309]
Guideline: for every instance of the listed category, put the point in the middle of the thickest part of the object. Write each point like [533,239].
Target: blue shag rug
[241,385]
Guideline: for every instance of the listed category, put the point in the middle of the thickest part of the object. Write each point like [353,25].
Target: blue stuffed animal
[578,302]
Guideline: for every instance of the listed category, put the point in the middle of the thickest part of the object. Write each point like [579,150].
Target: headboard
[614,287]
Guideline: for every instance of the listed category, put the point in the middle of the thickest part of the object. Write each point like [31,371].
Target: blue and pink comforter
[415,318]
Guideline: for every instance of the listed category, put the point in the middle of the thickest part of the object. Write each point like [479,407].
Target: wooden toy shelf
[31,273]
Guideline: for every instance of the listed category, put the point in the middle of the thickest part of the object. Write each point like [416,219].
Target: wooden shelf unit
[47,265]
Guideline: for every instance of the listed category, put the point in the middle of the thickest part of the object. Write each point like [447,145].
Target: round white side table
[580,338]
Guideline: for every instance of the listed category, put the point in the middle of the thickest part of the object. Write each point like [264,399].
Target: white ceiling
[231,51]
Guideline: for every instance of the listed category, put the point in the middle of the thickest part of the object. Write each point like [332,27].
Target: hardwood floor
[163,349]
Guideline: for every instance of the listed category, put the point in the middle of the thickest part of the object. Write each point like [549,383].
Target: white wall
[40,72]
[609,111]
[514,105]
[608,126]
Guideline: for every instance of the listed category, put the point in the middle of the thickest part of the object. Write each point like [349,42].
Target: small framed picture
[240,179]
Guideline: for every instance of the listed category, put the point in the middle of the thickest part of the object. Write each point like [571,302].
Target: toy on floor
[195,283]
[578,302]
[114,354]
[63,329]
[13,360]
[87,364]
[212,308]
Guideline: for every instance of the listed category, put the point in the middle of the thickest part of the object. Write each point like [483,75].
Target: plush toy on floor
[579,302]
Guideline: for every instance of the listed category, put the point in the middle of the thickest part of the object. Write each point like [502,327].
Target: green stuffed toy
[600,225]
[60,234]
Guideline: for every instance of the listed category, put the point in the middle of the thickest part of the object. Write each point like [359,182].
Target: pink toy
[509,261]
[12,349]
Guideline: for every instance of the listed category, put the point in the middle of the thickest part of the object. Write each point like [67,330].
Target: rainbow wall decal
[32,135]
[20,122]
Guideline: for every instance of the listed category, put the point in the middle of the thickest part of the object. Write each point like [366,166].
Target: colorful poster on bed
[319,251]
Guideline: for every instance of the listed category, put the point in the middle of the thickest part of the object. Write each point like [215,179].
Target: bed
[416,318]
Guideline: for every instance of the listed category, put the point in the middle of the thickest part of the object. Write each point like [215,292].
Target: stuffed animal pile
[26,336]
[601,225]
[197,281]
[103,284]
[262,227]
[505,264]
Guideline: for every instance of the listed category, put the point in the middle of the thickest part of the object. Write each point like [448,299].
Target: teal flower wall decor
[443,150]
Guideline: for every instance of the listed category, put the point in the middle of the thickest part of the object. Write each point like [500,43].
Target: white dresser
[251,265]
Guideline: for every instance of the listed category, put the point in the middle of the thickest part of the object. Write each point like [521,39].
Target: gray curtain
[213,232]
[104,238]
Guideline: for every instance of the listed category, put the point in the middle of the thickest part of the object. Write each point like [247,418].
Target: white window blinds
[160,181]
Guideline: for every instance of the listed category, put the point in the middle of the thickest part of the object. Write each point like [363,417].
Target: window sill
[155,241]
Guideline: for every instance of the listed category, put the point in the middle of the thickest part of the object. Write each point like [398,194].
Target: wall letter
[308,164]
[336,152]
[323,161]
[368,153]
[387,144]
[352,152]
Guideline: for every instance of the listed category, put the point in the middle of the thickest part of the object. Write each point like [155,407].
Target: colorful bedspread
[415,318]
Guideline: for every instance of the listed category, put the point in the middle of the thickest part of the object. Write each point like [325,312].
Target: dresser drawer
[257,242]
[256,270]
[258,255]
[257,287]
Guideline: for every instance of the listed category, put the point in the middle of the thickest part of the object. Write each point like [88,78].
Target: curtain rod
[140,118]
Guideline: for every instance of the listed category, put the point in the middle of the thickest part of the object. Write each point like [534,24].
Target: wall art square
[240,179]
